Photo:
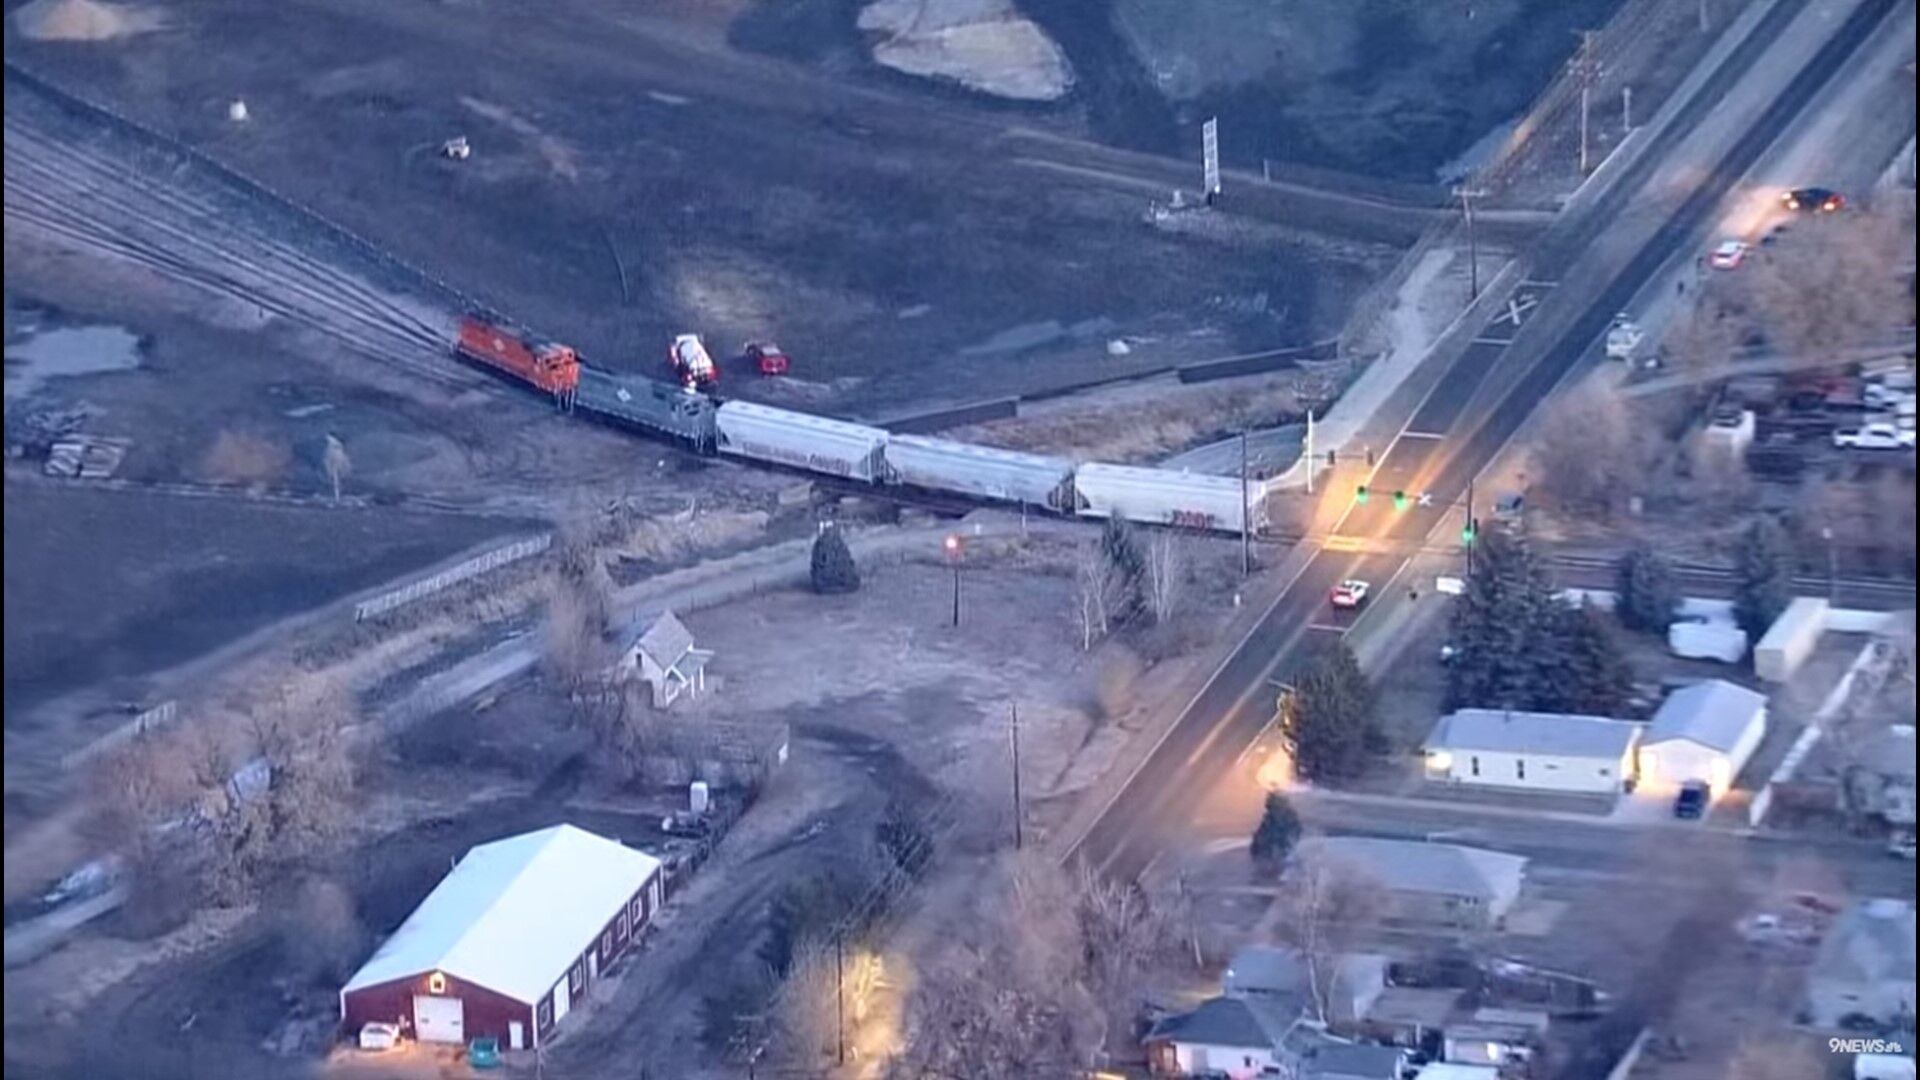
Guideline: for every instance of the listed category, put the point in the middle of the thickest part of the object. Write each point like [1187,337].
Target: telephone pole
[1015,732]
[1587,73]
[1246,513]
[1467,195]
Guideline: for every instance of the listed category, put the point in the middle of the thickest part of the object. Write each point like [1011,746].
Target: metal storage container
[981,471]
[1164,497]
[814,443]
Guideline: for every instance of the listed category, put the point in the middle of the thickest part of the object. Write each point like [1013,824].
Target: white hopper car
[984,472]
[1164,497]
[801,440]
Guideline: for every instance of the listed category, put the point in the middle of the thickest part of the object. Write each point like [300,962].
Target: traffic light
[1399,500]
[1468,532]
[1360,495]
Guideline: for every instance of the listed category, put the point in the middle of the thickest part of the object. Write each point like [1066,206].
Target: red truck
[553,368]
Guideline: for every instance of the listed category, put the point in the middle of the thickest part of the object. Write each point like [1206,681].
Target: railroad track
[111,203]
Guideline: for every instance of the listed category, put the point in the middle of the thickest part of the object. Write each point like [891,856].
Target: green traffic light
[1399,500]
[1360,495]
[1466,535]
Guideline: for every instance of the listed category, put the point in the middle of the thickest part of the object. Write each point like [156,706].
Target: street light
[1833,565]
[952,544]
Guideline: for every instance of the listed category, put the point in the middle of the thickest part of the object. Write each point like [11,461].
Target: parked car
[1901,846]
[765,357]
[685,823]
[1881,436]
[1729,255]
[1350,593]
[379,1036]
[1817,200]
[484,1053]
[1692,801]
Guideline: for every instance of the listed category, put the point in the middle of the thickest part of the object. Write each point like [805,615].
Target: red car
[766,357]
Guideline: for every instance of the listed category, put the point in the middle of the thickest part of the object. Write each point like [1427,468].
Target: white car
[1729,255]
[379,1036]
[1873,437]
[1349,594]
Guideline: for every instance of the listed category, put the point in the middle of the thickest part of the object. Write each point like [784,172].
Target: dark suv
[1692,800]
[1816,200]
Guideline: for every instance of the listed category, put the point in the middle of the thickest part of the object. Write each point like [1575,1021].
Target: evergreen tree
[1763,577]
[1120,546]
[1595,678]
[1328,720]
[1506,628]
[833,569]
[1279,830]
[1645,596]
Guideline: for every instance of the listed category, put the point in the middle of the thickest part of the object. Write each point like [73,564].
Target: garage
[1703,732]
[439,1019]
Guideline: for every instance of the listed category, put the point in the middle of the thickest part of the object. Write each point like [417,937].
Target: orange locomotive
[553,368]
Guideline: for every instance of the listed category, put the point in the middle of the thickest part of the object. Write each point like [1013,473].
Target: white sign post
[1210,156]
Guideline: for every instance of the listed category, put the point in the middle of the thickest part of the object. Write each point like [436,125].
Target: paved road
[1449,439]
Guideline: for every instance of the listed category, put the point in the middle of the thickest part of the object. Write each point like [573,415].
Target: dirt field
[874,229]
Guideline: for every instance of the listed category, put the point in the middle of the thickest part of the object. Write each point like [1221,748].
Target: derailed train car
[1165,497]
[801,441]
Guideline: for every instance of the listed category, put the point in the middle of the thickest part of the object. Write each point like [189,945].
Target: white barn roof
[1557,734]
[515,913]
[1714,713]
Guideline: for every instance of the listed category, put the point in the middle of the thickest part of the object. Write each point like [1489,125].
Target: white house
[1706,731]
[1240,1037]
[1538,751]
[665,659]
[1865,967]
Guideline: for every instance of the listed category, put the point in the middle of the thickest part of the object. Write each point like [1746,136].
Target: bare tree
[1588,453]
[1166,559]
[337,465]
[1095,583]
[1703,338]
[1720,480]
[131,789]
[1852,263]
[300,735]
[1324,902]
[806,1012]
[320,931]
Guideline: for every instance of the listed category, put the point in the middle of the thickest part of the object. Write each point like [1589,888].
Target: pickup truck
[1873,437]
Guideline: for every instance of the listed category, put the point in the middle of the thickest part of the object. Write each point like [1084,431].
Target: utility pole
[840,998]
[1471,531]
[1311,460]
[1626,111]
[1586,95]
[1833,564]
[1246,513]
[952,545]
[1467,195]
[1017,831]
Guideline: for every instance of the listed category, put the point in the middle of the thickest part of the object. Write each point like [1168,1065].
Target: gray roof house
[1438,884]
[1353,981]
[1865,967]
[1705,731]
[665,658]
[1247,1037]
[1543,751]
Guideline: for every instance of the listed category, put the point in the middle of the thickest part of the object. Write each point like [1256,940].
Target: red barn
[509,940]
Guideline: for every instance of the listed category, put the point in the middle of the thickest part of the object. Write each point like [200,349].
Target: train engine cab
[552,367]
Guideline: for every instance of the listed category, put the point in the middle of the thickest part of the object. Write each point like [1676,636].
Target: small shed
[666,660]
[1791,639]
[1706,731]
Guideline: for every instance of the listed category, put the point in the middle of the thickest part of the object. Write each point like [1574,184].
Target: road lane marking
[1423,435]
[1503,342]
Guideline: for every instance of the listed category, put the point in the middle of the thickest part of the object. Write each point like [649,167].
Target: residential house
[1705,731]
[1434,884]
[1554,752]
[1349,985]
[1865,967]
[665,658]
[1240,1037]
